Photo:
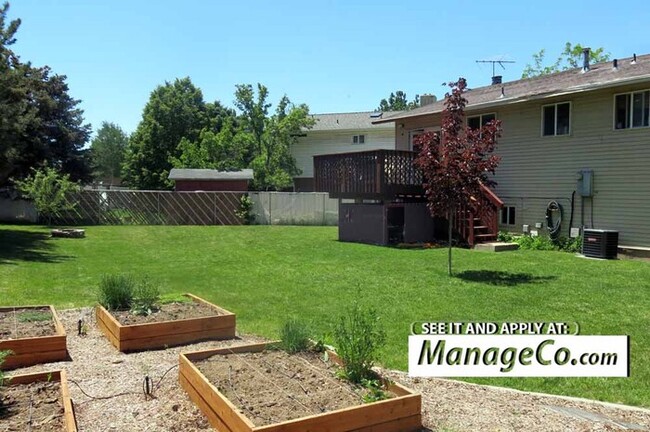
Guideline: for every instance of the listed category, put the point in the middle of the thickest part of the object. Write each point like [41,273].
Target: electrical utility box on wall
[585,184]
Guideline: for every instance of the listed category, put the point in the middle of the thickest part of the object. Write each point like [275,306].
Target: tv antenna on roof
[495,62]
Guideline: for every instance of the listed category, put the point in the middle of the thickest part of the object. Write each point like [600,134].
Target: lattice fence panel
[119,207]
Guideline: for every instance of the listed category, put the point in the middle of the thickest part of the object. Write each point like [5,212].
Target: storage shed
[210,180]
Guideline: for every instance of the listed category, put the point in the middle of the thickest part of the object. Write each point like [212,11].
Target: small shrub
[146,298]
[245,212]
[375,391]
[358,337]
[564,244]
[116,291]
[295,336]
[506,237]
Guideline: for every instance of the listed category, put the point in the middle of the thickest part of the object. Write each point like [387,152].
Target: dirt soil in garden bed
[26,323]
[273,386]
[168,312]
[38,404]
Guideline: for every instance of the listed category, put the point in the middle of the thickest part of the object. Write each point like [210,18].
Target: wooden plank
[60,330]
[219,404]
[68,410]
[402,413]
[33,377]
[203,354]
[102,318]
[33,358]
[34,344]
[190,325]
[406,424]
[169,340]
[352,418]
[109,320]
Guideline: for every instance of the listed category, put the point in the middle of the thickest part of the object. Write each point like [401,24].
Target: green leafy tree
[226,150]
[49,190]
[107,150]
[39,121]
[272,135]
[570,58]
[174,111]
[398,102]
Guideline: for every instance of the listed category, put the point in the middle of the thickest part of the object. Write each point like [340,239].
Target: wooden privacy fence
[130,207]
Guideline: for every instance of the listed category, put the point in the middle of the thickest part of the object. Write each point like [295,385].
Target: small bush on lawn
[295,336]
[116,291]
[358,336]
[146,298]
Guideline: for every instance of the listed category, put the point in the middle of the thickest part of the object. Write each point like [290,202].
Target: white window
[358,139]
[508,215]
[556,119]
[477,122]
[632,110]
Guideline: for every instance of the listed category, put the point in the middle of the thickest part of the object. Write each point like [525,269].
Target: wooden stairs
[481,225]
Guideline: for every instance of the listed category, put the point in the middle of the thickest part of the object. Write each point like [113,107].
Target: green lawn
[266,274]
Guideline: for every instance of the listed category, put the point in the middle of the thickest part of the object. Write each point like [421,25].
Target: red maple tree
[457,160]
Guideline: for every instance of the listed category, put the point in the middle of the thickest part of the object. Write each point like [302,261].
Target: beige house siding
[536,169]
[329,142]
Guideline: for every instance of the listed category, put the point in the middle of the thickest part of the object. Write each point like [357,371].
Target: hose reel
[554,226]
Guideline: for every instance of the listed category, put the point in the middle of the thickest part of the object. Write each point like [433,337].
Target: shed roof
[209,174]
[600,75]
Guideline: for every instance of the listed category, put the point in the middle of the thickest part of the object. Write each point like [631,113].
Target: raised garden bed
[272,392]
[34,334]
[174,325]
[39,402]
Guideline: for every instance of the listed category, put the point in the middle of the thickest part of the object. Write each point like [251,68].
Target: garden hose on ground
[553,226]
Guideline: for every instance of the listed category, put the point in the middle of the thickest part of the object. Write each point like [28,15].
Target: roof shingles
[600,75]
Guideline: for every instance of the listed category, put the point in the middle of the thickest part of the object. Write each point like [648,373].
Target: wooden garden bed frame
[399,414]
[70,424]
[35,350]
[139,337]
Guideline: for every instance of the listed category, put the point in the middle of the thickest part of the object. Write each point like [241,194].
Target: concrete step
[496,246]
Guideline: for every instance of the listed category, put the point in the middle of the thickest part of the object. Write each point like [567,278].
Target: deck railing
[380,174]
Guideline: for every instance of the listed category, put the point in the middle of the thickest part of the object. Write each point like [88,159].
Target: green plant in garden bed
[123,292]
[294,336]
[146,298]
[116,291]
[33,316]
[359,336]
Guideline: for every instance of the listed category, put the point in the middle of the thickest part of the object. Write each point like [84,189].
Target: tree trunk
[450,221]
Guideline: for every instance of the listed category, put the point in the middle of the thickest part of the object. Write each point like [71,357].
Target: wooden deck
[376,174]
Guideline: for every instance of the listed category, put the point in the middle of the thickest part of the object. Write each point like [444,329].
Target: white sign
[518,356]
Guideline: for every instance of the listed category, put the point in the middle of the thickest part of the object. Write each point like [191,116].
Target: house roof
[600,75]
[209,174]
[350,121]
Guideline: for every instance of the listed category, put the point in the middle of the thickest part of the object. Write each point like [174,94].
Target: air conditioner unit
[597,243]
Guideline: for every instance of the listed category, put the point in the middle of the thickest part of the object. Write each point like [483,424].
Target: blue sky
[336,56]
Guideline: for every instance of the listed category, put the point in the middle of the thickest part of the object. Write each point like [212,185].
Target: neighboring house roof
[350,121]
[600,75]
[209,174]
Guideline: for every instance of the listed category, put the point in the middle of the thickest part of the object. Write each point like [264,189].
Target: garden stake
[146,387]
[79,326]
